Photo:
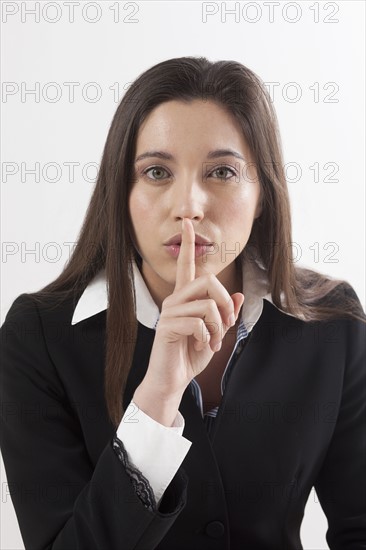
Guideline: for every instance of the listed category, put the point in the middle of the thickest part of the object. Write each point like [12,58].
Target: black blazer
[293,416]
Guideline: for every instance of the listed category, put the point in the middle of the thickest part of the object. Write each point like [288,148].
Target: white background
[309,53]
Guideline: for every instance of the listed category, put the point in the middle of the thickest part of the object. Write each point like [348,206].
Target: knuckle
[200,327]
[212,305]
[214,314]
[210,277]
[200,324]
[165,303]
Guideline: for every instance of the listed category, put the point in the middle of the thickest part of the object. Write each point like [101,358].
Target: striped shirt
[209,416]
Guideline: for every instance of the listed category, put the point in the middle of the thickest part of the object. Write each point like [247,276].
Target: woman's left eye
[224,168]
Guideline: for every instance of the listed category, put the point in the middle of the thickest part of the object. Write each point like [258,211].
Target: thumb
[238,299]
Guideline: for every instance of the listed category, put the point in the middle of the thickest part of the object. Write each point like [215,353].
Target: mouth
[196,244]
[199,240]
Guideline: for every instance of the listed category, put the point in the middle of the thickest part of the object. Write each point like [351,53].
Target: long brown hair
[105,239]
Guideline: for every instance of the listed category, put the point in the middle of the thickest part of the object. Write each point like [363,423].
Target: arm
[60,499]
[341,483]
[139,438]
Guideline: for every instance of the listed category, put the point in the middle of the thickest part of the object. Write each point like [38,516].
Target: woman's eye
[223,169]
[156,169]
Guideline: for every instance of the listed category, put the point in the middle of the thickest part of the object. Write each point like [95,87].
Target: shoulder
[21,313]
[29,314]
[336,298]
[344,297]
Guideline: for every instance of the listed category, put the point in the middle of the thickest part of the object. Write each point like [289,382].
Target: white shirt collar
[95,298]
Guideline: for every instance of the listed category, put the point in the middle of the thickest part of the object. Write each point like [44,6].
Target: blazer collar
[95,298]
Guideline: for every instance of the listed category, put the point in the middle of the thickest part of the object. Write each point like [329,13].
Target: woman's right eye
[156,169]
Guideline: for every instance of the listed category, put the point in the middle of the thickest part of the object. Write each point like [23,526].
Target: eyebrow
[211,155]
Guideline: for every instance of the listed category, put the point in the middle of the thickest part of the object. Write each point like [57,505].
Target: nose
[188,199]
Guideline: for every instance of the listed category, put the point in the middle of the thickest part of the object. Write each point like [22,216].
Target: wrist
[161,408]
[149,387]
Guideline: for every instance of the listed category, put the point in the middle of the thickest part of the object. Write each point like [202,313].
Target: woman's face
[220,194]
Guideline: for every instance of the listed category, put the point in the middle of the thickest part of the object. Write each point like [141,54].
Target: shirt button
[215,529]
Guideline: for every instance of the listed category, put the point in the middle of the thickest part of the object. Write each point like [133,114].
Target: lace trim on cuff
[140,483]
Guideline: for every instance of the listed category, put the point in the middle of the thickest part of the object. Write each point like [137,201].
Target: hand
[191,324]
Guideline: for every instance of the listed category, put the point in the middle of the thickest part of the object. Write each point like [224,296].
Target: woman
[182,384]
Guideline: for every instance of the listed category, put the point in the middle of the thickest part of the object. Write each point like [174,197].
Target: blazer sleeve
[60,499]
[341,482]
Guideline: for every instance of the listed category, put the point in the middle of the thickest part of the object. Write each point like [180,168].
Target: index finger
[186,266]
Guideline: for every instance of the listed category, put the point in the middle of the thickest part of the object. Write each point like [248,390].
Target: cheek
[240,213]
[140,209]
[236,210]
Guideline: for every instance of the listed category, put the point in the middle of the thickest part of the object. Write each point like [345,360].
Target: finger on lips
[186,271]
[186,266]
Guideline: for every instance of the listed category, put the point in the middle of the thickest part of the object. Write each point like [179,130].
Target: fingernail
[231,320]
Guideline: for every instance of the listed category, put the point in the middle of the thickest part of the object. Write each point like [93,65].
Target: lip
[177,239]
[199,249]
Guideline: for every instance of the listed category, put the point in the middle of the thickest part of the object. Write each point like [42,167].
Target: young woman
[182,384]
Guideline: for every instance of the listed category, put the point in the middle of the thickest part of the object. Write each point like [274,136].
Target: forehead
[205,122]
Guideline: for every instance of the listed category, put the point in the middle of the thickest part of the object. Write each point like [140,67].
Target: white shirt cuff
[156,450]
